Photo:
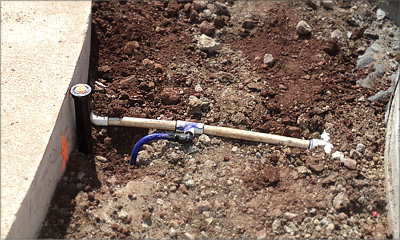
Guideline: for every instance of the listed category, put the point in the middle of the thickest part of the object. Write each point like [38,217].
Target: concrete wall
[45,48]
[392,161]
[392,8]
[392,148]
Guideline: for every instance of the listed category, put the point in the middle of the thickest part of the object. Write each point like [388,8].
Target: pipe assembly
[185,131]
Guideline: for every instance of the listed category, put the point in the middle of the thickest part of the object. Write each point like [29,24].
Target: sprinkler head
[80,90]
[81,94]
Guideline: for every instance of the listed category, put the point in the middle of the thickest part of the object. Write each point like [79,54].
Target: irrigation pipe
[199,128]
[184,131]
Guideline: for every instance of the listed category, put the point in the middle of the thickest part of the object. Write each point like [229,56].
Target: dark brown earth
[147,64]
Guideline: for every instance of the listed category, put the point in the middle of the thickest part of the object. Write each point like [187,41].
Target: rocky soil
[288,68]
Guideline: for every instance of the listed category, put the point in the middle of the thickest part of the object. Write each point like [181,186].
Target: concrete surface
[392,162]
[392,148]
[44,49]
[391,8]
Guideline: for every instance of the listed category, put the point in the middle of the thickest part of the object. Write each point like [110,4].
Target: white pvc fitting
[98,121]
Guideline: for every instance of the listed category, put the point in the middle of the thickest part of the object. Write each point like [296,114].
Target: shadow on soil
[80,176]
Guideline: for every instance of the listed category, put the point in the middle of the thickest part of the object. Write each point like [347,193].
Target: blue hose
[145,139]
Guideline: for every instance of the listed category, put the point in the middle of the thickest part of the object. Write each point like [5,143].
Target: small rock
[160,30]
[303,170]
[190,183]
[187,8]
[341,202]
[160,202]
[198,88]
[336,35]
[248,24]
[79,185]
[276,224]
[330,228]
[354,154]
[130,47]
[209,220]
[207,44]
[220,21]
[312,4]
[126,232]
[101,159]
[239,118]
[188,235]
[328,4]
[199,5]
[290,228]
[317,168]
[132,196]
[161,173]
[173,233]
[234,149]
[203,206]
[192,149]
[360,148]
[269,59]
[330,47]
[338,156]
[127,220]
[114,226]
[146,216]
[350,163]
[325,222]
[147,62]
[292,131]
[209,15]
[207,28]
[194,105]
[371,34]
[290,215]
[204,139]
[80,175]
[222,9]
[360,50]
[380,14]
[262,234]
[169,96]
[303,28]
[343,216]
[158,67]
[193,16]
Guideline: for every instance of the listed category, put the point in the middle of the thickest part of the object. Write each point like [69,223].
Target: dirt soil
[146,62]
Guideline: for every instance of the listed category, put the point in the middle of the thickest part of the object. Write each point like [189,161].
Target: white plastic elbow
[98,121]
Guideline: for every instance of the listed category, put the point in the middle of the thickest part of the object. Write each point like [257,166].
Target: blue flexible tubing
[145,139]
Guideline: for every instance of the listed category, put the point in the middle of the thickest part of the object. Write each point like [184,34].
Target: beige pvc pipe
[255,136]
[212,130]
[142,123]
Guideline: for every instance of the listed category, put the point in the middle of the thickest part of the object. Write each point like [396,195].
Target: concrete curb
[45,48]
[392,161]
